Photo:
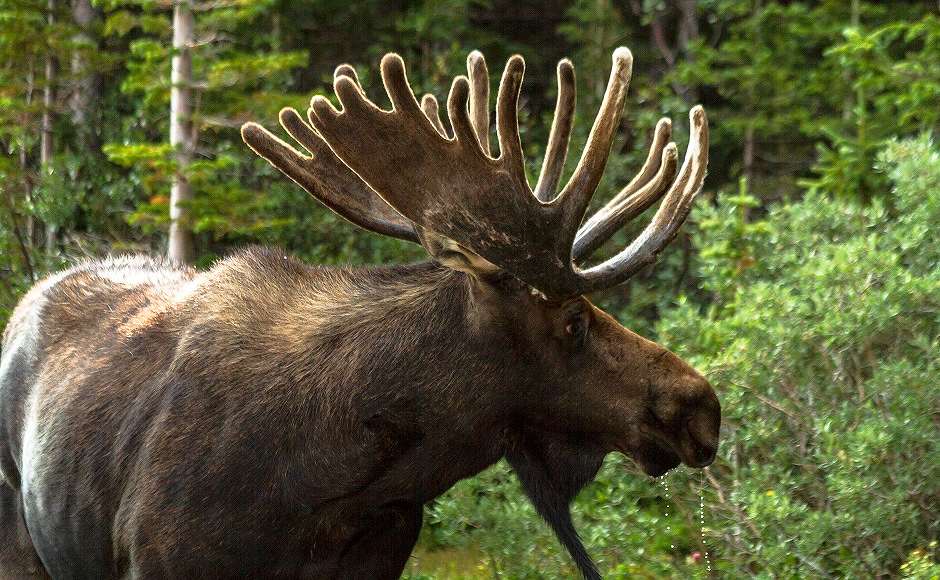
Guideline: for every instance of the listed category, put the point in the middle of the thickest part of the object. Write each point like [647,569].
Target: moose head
[577,384]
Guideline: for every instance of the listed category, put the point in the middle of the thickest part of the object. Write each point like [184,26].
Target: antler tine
[396,85]
[342,71]
[301,132]
[507,118]
[671,214]
[346,70]
[479,98]
[644,190]
[325,177]
[459,115]
[560,135]
[575,197]
[432,112]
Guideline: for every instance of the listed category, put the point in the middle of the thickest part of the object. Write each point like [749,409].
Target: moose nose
[704,454]
[703,427]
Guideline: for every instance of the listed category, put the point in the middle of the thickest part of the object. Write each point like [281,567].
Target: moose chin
[269,419]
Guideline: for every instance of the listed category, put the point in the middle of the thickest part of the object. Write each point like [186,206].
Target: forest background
[806,284]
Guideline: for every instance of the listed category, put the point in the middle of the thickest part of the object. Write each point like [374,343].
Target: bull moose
[269,419]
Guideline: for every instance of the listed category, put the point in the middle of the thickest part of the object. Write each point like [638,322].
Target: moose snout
[702,429]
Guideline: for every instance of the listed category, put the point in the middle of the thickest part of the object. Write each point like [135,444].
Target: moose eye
[577,327]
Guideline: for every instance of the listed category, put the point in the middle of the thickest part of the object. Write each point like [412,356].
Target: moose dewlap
[269,419]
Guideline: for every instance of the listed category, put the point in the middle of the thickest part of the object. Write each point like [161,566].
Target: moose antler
[388,171]
[453,187]
[324,176]
[557,150]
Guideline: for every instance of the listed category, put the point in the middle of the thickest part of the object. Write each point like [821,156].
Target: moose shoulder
[266,418]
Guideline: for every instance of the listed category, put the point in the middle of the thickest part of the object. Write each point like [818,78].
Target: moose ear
[453,255]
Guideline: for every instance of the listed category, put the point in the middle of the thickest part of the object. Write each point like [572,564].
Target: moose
[269,419]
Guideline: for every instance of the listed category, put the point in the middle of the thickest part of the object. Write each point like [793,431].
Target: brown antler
[556,151]
[479,98]
[453,187]
[324,176]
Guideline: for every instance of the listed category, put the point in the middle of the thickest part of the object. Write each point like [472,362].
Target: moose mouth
[655,459]
[655,456]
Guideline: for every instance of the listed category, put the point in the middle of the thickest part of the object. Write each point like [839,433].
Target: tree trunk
[24,165]
[688,33]
[45,142]
[87,82]
[749,154]
[688,23]
[180,248]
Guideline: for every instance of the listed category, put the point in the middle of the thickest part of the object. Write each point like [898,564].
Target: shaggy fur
[270,419]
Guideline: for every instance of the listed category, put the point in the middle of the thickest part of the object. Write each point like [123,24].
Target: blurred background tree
[806,283]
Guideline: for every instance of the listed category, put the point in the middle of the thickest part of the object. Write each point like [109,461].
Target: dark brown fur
[270,419]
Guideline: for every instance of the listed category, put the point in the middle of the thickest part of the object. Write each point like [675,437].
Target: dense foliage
[806,284]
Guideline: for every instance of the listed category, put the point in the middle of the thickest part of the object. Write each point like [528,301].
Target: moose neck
[391,363]
[463,403]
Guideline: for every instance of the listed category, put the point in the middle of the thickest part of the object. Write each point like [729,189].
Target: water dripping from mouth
[665,486]
[701,520]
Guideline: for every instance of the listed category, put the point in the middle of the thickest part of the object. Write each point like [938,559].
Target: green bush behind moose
[805,284]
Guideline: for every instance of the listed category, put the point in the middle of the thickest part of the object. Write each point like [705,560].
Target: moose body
[261,419]
[264,418]
[269,419]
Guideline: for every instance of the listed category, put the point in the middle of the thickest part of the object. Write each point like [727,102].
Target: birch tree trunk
[45,139]
[180,248]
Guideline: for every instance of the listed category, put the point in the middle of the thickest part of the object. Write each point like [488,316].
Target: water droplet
[665,486]
[701,520]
